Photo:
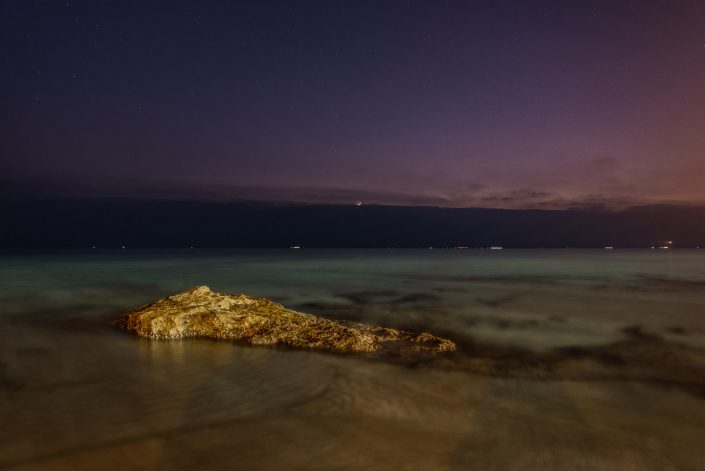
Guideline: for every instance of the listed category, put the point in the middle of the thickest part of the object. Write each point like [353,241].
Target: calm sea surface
[569,360]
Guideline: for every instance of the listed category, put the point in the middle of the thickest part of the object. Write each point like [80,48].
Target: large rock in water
[199,312]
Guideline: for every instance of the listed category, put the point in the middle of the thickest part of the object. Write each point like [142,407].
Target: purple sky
[527,104]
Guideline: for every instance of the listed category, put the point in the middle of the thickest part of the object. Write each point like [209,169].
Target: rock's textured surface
[200,312]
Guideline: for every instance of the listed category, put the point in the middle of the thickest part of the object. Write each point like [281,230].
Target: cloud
[454,195]
[176,190]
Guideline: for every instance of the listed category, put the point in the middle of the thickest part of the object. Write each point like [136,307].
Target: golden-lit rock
[199,312]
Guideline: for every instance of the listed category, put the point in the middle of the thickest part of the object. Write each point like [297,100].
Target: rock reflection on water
[77,394]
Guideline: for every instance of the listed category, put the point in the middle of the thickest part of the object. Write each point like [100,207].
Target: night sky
[515,104]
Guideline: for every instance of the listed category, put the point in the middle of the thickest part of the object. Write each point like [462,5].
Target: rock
[199,312]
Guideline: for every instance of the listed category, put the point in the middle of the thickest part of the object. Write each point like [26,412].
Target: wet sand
[203,403]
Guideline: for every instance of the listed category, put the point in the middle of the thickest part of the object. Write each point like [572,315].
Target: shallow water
[529,390]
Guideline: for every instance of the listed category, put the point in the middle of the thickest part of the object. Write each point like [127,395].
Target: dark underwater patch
[637,332]
[496,302]
[652,283]
[417,298]
[677,330]
[7,382]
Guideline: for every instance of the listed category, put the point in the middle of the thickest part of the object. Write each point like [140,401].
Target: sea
[567,359]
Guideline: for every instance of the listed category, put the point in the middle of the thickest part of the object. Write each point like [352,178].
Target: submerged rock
[200,312]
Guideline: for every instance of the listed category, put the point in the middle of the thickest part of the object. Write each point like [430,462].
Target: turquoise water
[550,373]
